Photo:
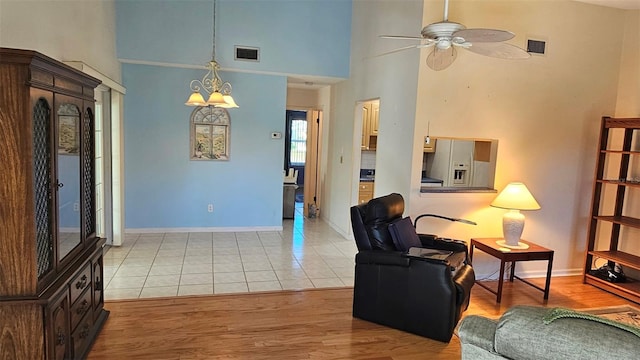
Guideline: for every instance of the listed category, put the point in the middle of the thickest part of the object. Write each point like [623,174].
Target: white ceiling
[621,4]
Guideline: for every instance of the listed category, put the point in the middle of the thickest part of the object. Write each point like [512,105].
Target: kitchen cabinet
[615,218]
[51,304]
[375,118]
[429,146]
[365,192]
[370,122]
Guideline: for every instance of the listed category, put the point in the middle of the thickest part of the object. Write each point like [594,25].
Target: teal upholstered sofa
[521,333]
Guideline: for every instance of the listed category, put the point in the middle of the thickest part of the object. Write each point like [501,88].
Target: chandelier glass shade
[218,90]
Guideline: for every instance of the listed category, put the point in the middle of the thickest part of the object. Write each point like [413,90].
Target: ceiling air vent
[536,46]
[246,53]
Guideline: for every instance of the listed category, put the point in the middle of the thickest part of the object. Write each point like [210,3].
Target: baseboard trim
[531,274]
[347,235]
[202,229]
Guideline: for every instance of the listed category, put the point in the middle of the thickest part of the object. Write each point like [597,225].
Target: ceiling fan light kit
[444,36]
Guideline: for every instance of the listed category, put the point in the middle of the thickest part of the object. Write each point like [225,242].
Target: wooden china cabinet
[51,288]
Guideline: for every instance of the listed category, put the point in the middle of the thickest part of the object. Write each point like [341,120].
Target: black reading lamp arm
[465,221]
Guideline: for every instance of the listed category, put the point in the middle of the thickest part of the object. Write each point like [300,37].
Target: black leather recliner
[418,295]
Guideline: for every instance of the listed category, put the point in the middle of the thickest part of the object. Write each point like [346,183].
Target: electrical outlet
[210,208]
[76,207]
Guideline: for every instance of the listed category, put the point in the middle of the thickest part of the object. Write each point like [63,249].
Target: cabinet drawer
[366,186]
[363,198]
[81,307]
[80,337]
[80,282]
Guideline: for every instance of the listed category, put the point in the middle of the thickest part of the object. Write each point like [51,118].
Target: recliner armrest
[382,258]
[479,331]
[430,241]
[427,240]
[464,280]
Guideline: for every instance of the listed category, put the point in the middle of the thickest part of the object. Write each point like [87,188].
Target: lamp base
[521,246]
[512,226]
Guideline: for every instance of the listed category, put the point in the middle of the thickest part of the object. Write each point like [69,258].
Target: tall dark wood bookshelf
[613,220]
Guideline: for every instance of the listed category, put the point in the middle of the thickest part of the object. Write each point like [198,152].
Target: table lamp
[514,197]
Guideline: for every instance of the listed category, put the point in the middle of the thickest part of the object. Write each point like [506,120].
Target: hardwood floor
[309,324]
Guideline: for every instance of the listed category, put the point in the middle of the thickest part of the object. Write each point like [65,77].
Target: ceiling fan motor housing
[441,29]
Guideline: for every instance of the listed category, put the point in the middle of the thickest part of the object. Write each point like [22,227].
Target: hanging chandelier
[219,91]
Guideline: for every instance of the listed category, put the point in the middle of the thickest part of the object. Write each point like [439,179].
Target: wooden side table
[534,252]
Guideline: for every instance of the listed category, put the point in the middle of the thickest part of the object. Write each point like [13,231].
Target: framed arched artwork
[210,133]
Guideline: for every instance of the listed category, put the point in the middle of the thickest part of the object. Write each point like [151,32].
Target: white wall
[64,30]
[545,112]
[302,99]
[393,80]
[628,104]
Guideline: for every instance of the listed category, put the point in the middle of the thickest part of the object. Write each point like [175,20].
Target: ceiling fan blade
[484,35]
[441,59]
[499,50]
[398,50]
[401,37]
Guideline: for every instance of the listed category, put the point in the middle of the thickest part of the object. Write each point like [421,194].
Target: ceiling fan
[446,36]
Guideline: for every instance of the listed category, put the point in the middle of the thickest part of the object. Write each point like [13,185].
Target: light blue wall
[310,37]
[164,189]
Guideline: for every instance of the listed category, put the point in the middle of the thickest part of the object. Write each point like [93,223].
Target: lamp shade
[516,196]
[216,99]
[196,99]
[228,102]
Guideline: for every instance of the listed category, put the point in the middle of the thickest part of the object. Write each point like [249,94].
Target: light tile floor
[307,253]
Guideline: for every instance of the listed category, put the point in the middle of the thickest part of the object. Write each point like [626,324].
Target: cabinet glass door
[42,184]
[68,166]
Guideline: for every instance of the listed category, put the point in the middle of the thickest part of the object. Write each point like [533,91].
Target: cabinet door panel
[375,118]
[59,333]
[67,145]
[43,181]
[68,122]
[98,299]
[87,172]
[366,116]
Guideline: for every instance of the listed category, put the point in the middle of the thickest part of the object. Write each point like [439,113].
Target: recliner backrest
[359,232]
[374,217]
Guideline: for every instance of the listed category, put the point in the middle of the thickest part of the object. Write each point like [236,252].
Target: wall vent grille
[536,46]
[246,53]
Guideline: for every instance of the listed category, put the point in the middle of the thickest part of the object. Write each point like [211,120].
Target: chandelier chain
[213,51]
[212,83]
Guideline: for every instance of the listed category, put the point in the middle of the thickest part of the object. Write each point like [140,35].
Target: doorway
[109,155]
[295,149]
[302,150]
